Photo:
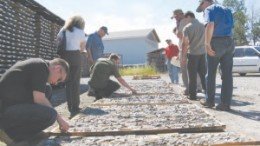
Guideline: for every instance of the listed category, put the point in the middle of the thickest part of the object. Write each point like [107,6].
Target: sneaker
[222,107]
[5,138]
[206,104]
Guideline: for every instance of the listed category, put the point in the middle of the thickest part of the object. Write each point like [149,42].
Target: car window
[239,52]
[258,49]
[250,52]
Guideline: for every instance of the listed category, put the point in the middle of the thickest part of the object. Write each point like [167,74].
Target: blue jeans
[173,72]
[224,49]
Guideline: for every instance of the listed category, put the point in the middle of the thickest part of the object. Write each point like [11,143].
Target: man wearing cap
[180,23]
[171,52]
[94,45]
[219,45]
[193,45]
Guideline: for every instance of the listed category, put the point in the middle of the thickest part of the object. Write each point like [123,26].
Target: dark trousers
[73,88]
[224,49]
[106,91]
[196,64]
[23,121]
[73,82]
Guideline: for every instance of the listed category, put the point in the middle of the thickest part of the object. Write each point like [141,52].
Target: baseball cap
[168,41]
[201,3]
[177,11]
[104,28]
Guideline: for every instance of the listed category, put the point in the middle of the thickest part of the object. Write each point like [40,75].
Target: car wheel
[242,74]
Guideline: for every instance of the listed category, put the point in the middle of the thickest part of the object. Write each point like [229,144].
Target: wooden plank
[239,143]
[156,103]
[142,77]
[139,132]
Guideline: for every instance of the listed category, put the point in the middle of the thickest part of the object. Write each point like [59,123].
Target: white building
[133,45]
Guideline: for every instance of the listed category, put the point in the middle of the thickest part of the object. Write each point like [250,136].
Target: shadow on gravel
[219,86]
[233,102]
[93,111]
[253,115]
[59,95]
[247,76]
[240,103]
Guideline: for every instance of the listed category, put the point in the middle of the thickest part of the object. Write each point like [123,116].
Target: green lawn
[143,70]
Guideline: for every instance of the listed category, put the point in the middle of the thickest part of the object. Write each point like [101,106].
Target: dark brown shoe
[206,104]
[186,92]
[222,107]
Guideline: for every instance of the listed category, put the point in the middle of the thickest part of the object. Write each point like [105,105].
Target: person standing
[75,43]
[99,80]
[95,47]
[26,108]
[171,52]
[193,49]
[220,49]
[178,15]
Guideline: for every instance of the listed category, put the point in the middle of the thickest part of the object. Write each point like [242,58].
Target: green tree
[254,20]
[240,18]
[256,32]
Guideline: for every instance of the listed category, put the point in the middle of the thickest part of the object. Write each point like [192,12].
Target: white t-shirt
[73,39]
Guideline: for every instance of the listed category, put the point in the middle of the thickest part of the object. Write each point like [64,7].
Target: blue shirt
[96,46]
[222,18]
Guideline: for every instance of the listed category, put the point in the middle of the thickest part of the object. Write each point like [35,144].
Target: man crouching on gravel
[26,109]
[99,84]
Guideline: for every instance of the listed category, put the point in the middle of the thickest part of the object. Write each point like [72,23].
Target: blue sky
[120,15]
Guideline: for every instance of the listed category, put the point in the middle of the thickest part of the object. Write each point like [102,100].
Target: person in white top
[75,43]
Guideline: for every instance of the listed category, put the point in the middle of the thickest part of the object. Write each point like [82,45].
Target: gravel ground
[244,117]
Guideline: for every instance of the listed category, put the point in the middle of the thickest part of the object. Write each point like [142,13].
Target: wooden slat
[146,77]
[140,132]
[156,103]
[239,143]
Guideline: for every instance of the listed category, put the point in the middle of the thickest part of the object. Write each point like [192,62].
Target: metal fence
[27,30]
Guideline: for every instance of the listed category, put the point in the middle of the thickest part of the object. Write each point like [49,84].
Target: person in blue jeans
[220,49]
[26,109]
[170,52]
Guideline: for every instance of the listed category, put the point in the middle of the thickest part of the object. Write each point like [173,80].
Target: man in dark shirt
[26,110]
[99,81]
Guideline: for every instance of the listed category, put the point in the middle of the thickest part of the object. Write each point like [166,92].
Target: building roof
[132,34]
[157,51]
[35,6]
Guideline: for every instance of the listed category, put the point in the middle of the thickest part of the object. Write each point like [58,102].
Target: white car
[246,60]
